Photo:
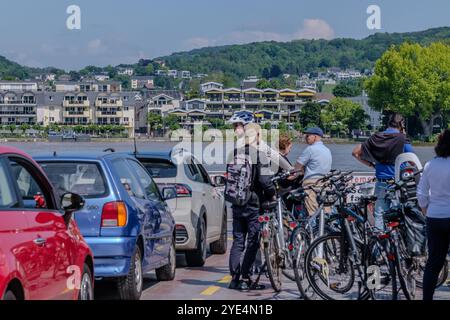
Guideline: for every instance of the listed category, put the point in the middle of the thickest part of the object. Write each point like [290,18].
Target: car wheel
[86,287]
[130,287]
[197,257]
[167,272]
[9,296]
[220,246]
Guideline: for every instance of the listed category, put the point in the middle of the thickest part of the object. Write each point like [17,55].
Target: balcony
[118,103]
[17,102]
[76,114]
[76,103]
[118,114]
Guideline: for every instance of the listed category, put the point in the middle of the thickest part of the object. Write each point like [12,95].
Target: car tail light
[114,214]
[261,219]
[183,190]
[293,225]
[290,247]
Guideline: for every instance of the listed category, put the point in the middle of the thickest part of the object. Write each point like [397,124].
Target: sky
[35,33]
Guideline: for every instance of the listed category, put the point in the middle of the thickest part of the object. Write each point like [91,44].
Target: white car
[197,203]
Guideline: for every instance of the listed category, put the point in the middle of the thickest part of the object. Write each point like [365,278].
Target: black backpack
[240,177]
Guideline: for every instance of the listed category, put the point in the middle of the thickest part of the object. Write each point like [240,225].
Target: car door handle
[39,241]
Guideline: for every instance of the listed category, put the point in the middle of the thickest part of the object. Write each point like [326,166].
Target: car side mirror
[71,202]
[219,181]
[169,193]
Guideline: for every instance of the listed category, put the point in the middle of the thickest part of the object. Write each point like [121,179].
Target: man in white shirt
[315,162]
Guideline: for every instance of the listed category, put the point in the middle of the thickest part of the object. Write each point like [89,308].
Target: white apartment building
[125,71]
[139,82]
[18,85]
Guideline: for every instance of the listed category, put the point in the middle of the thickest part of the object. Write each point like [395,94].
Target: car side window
[8,197]
[192,171]
[128,179]
[32,194]
[203,172]
[150,187]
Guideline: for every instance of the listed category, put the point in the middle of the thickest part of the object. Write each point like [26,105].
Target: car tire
[130,287]
[220,246]
[197,257]
[86,287]
[9,296]
[167,272]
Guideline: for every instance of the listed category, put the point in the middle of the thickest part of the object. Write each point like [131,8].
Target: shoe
[234,284]
[253,285]
[243,286]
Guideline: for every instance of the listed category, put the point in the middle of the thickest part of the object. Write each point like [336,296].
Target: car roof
[166,155]
[83,156]
[7,149]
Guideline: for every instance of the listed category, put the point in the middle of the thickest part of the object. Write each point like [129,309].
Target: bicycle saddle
[268,205]
[370,198]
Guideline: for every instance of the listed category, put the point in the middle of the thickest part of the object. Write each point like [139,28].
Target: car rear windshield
[82,178]
[160,168]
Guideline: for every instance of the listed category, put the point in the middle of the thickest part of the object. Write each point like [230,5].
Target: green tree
[413,80]
[171,121]
[310,114]
[348,89]
[24,127]
[11,128]
[263,84]
[343,115]
[37,127]
[153,120]
[267,126]
[282,126]
[79,128]
[93,128]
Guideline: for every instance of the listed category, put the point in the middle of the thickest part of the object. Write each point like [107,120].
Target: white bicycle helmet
[244,117]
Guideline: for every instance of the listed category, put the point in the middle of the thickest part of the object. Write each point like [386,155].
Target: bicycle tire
[272,262]
[301,241]
[378,255]
[311,272]
[443,275]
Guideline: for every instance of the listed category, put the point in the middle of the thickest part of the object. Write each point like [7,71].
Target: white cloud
[314,29]
[310,29]
[96,46]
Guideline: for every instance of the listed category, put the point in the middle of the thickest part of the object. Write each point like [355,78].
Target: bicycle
[333,261]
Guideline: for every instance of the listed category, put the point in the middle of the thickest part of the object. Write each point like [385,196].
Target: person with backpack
[380,152]
[248,186]
[433,195]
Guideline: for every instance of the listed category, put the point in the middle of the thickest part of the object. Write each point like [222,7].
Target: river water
[342,158]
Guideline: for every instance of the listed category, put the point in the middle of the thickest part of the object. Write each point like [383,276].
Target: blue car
[125,221]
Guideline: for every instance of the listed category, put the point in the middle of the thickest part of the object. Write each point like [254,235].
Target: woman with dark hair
[433,194]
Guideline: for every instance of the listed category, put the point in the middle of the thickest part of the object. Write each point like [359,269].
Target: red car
[42,252]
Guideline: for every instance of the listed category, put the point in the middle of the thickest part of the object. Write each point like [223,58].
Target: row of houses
[82,103]
[22,103]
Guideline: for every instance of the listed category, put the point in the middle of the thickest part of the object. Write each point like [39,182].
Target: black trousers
[246,235]
[438,234]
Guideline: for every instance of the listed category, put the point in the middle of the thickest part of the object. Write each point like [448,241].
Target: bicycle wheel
[330,268]
[273,260]
[288,269]
[406,278]
[382,273]
[419,269]
[301,241]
